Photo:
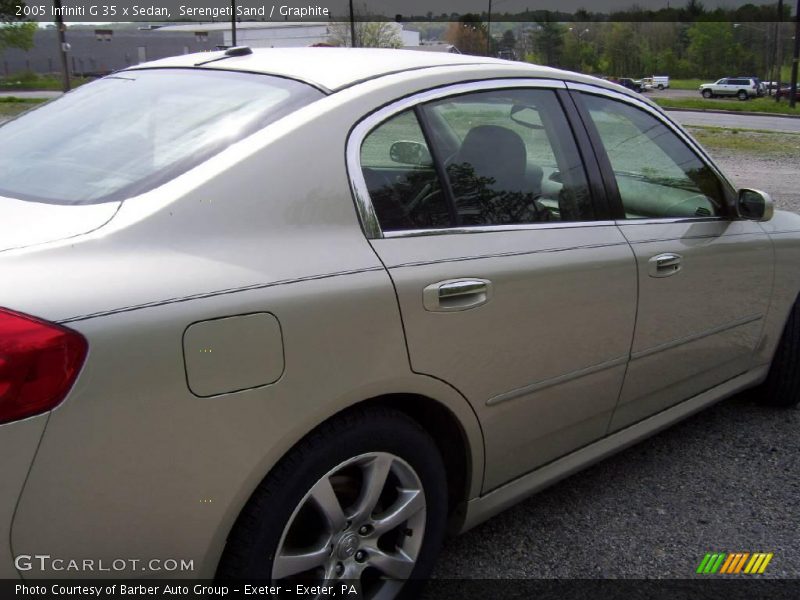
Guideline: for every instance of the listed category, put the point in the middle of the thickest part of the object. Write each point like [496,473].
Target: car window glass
[510,158]
[401,179]
[658,175]
[134,130]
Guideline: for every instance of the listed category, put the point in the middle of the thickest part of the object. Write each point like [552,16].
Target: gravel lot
[727,479]
[778,175]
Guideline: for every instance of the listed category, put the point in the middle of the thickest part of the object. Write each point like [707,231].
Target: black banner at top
[175,11]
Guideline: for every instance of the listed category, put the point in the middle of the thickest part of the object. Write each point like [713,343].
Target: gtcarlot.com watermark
[47,563]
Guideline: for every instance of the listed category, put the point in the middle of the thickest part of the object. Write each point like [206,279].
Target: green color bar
[711,562]
[718,564]
[704,563]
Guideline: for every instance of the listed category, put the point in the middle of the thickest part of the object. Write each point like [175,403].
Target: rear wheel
[661,86]
[707,94]
[362,500]
[742,95]
[782,387]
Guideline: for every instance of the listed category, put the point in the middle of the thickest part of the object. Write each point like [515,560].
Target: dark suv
[630,84]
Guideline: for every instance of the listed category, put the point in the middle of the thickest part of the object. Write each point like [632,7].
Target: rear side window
[130,132]
[510,158]
[399,172]
[505,158]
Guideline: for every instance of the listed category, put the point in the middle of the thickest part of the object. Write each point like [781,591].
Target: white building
[280,34]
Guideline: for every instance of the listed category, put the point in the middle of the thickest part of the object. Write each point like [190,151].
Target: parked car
[761,87]
[660,82]
[295,313]
[786,92]
[742,88]
[631,84]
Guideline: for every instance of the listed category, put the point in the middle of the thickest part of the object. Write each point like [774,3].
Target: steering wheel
[425,195]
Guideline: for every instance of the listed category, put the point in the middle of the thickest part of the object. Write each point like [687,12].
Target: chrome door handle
[665,265]
[456,294]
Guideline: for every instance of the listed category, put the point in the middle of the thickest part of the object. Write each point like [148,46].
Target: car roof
[332,69]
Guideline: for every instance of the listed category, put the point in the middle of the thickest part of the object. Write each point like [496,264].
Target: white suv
[743,88]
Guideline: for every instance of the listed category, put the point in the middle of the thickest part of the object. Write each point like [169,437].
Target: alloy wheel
[363,521]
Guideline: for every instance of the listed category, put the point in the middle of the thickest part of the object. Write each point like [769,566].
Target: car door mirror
[754,205]
[410,153]
[527,116]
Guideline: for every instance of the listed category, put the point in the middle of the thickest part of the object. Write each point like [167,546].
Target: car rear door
[705,277]
[513,285]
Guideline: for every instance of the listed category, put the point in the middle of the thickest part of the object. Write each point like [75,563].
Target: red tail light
[39,362]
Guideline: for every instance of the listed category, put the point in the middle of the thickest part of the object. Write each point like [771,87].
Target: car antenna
[229,53]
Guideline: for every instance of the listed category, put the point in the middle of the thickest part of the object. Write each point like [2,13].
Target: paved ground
[672,93]
[42,94]
[764,122]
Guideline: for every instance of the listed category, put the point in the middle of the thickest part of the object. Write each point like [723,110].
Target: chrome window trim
[496,228]
[662,221]
[659,114]
[364,207]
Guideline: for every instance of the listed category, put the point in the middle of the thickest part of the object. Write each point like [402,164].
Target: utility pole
[795,56]
[489,31]
[233,22]
[62,45]
[352,26]
[775,73]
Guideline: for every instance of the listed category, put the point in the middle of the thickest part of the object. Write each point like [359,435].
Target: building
[258,34]
[101,51]
[278,34]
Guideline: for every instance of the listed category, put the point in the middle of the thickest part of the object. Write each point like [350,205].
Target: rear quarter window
[130,132]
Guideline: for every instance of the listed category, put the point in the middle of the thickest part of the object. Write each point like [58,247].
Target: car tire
[660,86]
[707,94]
[320,492]
[742,95]
[782,386]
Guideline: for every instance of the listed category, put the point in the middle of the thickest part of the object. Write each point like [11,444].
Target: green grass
[36,82]
[760,105]
[11,107]
[753,142]
[15,100]
[686,84]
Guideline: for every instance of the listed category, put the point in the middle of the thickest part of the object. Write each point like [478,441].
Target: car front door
[704,277]
[512,286]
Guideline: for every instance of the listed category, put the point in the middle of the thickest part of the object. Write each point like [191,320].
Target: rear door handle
[456,294]
[665,265]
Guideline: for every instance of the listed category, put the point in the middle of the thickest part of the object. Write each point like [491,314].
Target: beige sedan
[297,314]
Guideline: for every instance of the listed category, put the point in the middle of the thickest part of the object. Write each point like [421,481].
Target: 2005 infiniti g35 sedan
[295,314]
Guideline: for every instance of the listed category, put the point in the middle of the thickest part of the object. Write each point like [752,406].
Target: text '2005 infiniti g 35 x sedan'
[296,314]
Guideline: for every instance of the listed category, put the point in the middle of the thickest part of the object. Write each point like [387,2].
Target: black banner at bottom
[436,589]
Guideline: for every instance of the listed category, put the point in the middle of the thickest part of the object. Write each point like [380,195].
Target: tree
[623,54]
[468,34]
[369,34]
[14,33]
[508,41]
[579,53]
[712,50]
[549,42]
